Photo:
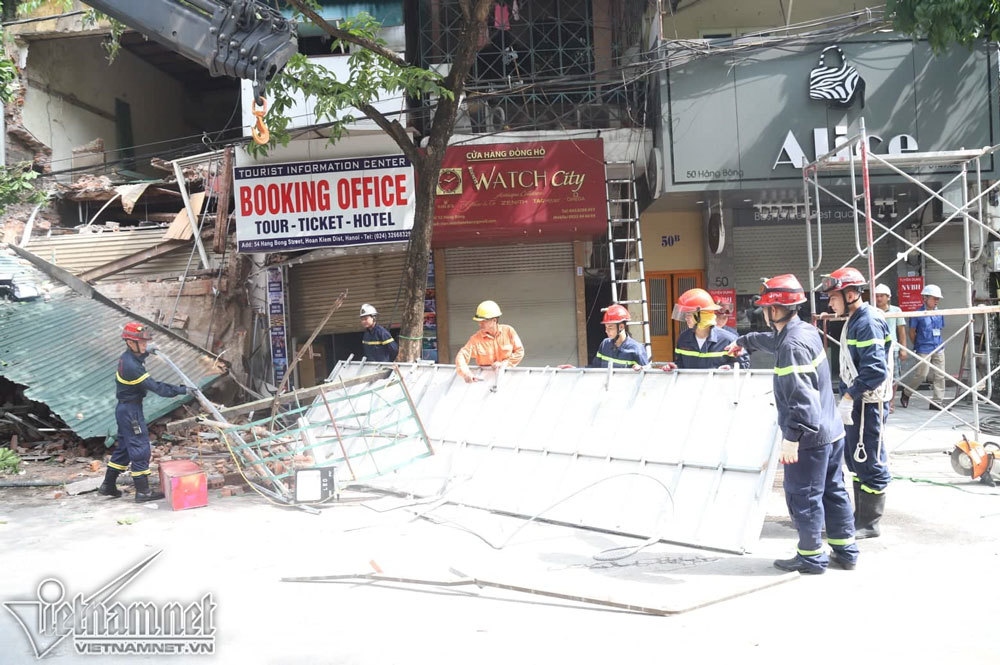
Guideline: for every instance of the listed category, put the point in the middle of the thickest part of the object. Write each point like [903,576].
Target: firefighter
[703,344]
[866,366]
[618,349]
[131,383]
[379,346]
[495,345]
[812,433]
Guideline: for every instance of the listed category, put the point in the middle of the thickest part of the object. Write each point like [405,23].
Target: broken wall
[72,95]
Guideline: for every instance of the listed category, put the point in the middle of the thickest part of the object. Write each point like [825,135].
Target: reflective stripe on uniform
[809,552]
[699,354]
[800,369]
[865,488]
[616,360]
[141,473]
[117,467]
[388,341]
[841,541]
[868,342]
[131,383]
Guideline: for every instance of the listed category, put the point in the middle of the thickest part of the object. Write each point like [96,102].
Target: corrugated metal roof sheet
[65,351]
[79,252]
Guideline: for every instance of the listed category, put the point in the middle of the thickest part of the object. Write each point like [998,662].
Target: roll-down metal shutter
[370,278]
[535,288]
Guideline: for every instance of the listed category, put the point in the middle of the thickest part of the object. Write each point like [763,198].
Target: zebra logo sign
[837,85]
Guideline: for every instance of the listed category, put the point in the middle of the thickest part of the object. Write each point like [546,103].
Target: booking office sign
[328,203]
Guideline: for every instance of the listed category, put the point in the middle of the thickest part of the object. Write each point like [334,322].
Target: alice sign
[792,154]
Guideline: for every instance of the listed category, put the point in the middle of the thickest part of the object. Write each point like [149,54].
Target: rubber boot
[108,487]
[841,561]
[870,509]
[797,564]
[142,493]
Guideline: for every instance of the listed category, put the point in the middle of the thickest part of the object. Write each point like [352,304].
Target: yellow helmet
[487,310]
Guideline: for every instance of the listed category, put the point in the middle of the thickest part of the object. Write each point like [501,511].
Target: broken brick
[95,466]
[227,491]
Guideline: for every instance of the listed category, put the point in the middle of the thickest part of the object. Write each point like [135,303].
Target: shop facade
[736,132]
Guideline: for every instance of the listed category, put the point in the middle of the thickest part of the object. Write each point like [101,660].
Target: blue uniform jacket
[629,354]
[803,393]
[379,346]
[926,340]
[132,380]
[868,342]
[687,355]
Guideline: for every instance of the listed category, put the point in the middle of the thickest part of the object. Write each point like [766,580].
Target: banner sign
[910,299]
[540,191]
[276,323]
[726,300]
[334,202]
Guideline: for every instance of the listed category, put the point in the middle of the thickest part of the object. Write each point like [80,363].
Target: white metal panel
[534,286]
[624,451]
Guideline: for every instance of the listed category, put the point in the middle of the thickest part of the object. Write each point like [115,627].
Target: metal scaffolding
[854,160]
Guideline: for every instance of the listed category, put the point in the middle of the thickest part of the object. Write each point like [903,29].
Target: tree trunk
[427,170]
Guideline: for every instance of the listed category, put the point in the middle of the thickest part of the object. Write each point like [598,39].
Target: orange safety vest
[486,348]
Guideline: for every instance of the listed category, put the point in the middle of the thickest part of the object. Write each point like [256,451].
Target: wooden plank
[441,302]
[287,398]
[180,229]
[222,202]
[581,303]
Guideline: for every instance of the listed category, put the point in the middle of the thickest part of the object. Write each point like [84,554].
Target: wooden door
[662,291]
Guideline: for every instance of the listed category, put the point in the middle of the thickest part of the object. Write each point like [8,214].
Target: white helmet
[932,290]
[368,310]
[883,289]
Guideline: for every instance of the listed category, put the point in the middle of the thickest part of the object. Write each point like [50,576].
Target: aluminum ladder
[625,242]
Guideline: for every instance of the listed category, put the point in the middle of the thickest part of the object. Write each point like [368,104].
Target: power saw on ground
[976,460]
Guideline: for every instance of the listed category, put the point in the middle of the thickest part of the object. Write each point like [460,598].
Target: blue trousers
[873,472]
[816,497]
[131,448]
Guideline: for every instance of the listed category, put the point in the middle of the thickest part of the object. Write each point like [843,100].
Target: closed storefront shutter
[534,286]
[767,251]
[370,278]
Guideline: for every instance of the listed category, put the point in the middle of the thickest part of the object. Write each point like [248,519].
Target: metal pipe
[868,211]
[809,244]
[971,348]
[979,207]
[195,229]
[211,408]
[854,208]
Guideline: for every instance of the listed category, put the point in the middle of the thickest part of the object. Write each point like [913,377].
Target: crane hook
[259,131]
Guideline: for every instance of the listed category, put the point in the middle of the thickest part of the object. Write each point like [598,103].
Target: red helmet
[615,314]
[136,332]
[839,280]
[782,290]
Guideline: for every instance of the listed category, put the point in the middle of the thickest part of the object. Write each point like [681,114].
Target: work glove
[789,452]
[183,390]
[846,407]
[500,364]
[152,347]
[565,367]
[669,367]
[471,379]
[734,350]
[725,368]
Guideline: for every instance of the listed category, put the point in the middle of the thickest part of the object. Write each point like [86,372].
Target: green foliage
[371,77]
[17,186]
[9,461]
[947,22]
[112,43]
[9,83]
[26,7]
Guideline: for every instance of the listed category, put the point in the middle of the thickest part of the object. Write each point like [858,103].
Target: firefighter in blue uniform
[132,381]
[866,385]
[379,346]
[703,344]
[812,444]
[618,349]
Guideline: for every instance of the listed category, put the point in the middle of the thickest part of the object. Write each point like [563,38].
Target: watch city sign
[840,86]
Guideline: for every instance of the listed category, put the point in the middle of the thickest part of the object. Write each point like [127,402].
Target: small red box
[184,484]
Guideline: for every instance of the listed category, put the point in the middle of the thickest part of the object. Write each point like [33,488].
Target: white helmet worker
[368,310]
[883,289]
[932,290]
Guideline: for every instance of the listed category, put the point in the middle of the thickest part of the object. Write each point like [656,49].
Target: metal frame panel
[687,457]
